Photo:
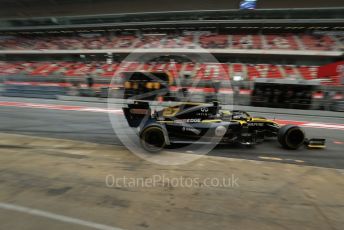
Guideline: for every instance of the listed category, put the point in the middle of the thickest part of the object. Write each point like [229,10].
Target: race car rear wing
[136,112]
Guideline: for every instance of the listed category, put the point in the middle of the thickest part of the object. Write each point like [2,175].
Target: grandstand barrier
[181,51]
[119,102]
[319,101]
[326,98]
[284,93]
[87,92]
[82,99]
[46,92]
[225,99]
[104,92]
[337,106]
[198,97]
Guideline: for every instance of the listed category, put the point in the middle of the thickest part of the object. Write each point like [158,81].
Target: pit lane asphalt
[96,127]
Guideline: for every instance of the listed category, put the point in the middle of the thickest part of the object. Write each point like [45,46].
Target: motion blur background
[60,60]
[275,53]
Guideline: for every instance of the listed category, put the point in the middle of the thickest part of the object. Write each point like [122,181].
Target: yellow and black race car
[208,123]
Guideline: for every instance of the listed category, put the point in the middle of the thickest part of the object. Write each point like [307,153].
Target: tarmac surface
[94,126]
[50,183]
[63,167]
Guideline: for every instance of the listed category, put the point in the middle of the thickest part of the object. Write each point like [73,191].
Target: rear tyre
[152,139]
[291,137]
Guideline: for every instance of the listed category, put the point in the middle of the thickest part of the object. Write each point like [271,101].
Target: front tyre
[291,137]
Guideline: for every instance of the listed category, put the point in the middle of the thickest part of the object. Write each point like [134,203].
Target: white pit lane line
[50,215]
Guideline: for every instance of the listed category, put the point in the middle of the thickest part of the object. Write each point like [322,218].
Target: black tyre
[291,137]
[152,139]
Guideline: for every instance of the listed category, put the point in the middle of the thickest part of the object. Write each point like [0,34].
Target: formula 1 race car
[188,123]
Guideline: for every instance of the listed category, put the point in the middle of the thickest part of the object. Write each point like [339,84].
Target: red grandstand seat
[284,41]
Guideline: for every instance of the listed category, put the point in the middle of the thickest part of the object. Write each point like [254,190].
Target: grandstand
[98,41]
[204,71]
[279,41]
